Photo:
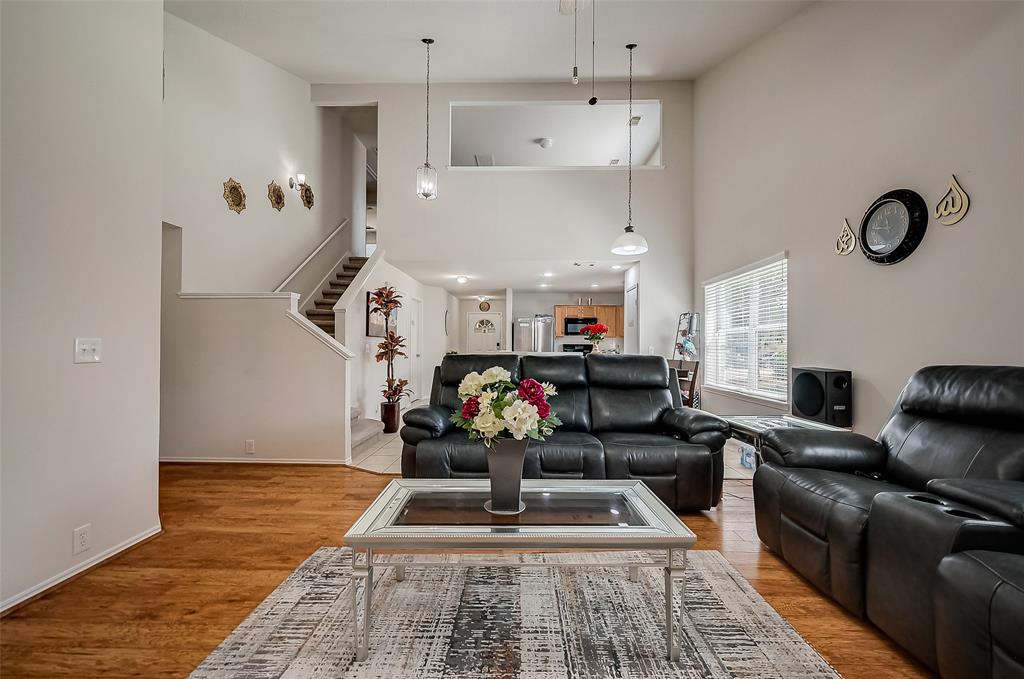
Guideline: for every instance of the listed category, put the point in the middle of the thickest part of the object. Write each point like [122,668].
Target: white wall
[842,103]
[227,114]
[239,369]
[81,256]
[531,216]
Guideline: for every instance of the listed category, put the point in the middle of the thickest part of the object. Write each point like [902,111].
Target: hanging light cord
[427,159]
[575,21]
[593,54]
[629,123]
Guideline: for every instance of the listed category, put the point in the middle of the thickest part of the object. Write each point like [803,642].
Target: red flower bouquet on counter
[595,332]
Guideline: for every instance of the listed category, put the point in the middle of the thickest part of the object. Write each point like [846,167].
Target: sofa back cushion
[569,375]
[957,422]
[454,367]
[627,393]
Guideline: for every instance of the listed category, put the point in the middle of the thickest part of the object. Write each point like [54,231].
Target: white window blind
[745,336]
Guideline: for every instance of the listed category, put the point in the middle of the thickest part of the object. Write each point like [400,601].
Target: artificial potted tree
[387,301]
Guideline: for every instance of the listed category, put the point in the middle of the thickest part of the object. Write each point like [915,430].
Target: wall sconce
[296,181]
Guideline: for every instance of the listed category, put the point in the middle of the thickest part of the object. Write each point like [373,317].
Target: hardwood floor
[233,532]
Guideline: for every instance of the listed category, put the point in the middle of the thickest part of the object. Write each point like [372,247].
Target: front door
[483,332]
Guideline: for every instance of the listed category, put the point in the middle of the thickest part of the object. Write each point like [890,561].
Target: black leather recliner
[864,519]
[621,418]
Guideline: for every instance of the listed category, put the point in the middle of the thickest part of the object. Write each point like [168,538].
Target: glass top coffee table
[447,515]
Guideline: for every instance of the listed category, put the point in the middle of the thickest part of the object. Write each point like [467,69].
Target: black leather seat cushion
[816,520]
[569,375]
[452,456]
[565,455]
[680,473]
[979,615]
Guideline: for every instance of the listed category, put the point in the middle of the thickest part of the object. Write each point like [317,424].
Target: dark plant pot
[505,467]
[391,413]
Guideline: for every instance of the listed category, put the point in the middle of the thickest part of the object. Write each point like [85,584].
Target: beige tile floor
[382,455]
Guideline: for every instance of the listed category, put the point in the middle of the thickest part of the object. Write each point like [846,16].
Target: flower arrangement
[386,301]
[595,332]
[493,407]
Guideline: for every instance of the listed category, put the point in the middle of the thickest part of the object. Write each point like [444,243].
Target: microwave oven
[574,326]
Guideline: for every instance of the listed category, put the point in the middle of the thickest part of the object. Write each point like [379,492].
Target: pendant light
[630,242]
[426,174]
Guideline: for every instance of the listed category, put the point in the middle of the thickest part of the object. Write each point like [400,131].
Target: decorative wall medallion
[234,196]
[847,240]
[893,226]
[276,195]
[306,192]
[954,205]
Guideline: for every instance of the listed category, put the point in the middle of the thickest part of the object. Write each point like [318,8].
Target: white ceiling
[581,135]
[373,41]
[522,275]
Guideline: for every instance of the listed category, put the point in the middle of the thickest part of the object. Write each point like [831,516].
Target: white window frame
[774,399]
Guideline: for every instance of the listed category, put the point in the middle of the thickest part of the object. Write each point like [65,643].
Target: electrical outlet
[82,539]
[88,350]
[250,446]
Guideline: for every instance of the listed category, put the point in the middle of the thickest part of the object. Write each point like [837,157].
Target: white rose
[549,389]
[486,397]
[496,374]
[520,417]
[487,424]
[471,385]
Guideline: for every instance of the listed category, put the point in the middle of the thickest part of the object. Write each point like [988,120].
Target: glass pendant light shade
[426,182]
[426,174]
[629,243]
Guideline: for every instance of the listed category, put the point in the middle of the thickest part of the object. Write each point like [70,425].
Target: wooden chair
[687,380]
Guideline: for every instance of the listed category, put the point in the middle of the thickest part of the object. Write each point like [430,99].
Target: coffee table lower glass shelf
[445,516]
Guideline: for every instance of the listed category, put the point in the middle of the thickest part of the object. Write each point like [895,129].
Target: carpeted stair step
[324,324]
[338,285]
[320,313]
[351,268]
[325,303]
[331,296]
[365,429]
[347,277]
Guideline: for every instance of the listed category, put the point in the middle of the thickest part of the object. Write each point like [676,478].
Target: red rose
[543,409]
[471,407]
[531,391]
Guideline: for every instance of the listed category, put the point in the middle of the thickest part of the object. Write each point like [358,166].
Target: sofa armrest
[435,419]
[841,451]
[1005,499]
[696,426]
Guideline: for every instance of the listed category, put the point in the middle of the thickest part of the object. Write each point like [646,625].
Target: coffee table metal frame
[377,530]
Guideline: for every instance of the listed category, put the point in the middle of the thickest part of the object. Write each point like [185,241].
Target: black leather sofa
[872,522]
[621,419]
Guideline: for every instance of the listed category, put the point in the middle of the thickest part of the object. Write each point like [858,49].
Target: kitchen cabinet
[609,314]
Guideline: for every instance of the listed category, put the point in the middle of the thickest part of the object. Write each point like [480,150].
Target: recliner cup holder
[964,514]
[926,498]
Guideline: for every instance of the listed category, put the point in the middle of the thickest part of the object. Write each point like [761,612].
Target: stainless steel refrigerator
[536,333]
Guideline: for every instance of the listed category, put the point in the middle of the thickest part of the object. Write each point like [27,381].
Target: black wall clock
[893,226]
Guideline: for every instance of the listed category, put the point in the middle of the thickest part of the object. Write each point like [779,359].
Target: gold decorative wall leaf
[306,192]
[234,196]
[276,195]
[847,240]
[954,204]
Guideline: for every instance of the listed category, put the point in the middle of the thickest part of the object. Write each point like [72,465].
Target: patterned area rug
[512,623]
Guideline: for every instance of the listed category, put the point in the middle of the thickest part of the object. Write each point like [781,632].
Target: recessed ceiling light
[616,266]
[461,280]
[545,285]
[548,274]
[594,285]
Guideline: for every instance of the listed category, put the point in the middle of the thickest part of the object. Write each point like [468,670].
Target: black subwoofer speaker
[823,395]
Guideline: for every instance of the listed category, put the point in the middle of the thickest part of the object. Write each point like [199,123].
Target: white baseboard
[75,570]
[254,460]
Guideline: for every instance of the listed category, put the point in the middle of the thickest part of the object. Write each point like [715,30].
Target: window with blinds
[745,336]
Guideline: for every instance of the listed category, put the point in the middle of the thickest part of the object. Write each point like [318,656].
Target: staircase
[322,313]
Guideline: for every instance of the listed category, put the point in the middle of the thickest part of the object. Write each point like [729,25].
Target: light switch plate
[88,350]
